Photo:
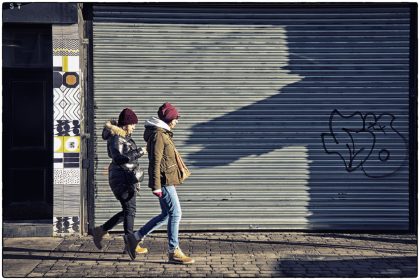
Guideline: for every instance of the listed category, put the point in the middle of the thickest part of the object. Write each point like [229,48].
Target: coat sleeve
[116,150]
[155,160]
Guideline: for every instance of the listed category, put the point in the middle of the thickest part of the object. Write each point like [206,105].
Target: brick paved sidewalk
[218,255]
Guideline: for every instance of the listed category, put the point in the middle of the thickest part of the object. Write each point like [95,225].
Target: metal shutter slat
[256,87]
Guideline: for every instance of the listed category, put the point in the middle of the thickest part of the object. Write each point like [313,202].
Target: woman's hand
[144,150]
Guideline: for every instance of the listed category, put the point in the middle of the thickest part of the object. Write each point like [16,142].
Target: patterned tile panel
[71,144]
[71,160]
[68,47]
[58,144]
[71,176]
[67,117]
[58,176]
[65,40]
[66,103]
[65,225]
[58,160]
[67,128]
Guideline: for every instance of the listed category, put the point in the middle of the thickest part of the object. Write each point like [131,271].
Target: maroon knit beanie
[127,116]
[167,112]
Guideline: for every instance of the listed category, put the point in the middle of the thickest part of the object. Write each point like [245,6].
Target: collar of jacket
[116,130]
[170,133]
[156,122]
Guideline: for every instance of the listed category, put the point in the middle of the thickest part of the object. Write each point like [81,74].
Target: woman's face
[173,123]
[130,128]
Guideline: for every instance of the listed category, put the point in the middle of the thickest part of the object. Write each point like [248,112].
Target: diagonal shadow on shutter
[291,118]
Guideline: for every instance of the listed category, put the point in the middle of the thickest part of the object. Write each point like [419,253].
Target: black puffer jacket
[124,154]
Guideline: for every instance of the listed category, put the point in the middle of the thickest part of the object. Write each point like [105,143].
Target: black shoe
[130,245]
[98,234]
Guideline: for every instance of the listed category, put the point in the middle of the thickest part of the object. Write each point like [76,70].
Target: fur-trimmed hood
[111,128]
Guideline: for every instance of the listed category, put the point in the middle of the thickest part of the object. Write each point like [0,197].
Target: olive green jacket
[163,167]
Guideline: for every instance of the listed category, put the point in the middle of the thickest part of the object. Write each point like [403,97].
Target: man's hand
[158,193]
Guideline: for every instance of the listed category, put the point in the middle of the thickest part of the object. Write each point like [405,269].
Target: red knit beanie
[127,116]
[167,112]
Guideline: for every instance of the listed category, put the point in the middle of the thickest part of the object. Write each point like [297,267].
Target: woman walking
[123,173]
[166,170]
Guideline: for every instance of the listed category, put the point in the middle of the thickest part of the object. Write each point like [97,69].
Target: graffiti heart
[368,142]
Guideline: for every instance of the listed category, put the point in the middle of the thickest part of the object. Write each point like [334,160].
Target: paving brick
[217,255]
[35,275]
[53,274]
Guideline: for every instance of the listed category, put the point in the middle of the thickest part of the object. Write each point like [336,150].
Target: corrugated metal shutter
[291,118]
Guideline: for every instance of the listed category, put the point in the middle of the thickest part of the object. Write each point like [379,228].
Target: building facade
[41,97]
[293,116]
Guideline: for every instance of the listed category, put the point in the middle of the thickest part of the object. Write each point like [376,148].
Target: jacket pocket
[173,175]
[167,164]
[170,174]
[170,167]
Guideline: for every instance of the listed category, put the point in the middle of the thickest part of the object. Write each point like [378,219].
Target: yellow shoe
[141,250]
[179,257]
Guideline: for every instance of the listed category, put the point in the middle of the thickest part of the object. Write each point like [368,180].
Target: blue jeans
[171,213]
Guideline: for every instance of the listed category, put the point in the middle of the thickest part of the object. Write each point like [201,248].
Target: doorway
[27,122]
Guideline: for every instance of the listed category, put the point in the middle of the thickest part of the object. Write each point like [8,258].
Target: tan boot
[179,257]
[98,234]
[141,250]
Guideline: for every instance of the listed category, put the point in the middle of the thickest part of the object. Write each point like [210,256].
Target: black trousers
[128,213]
